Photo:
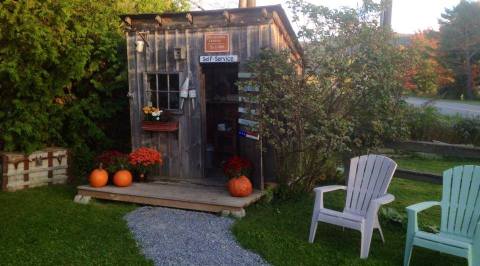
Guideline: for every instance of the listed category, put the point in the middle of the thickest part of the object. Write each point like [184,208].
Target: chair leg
[377,225]
[313,229]
[366,240]
[381,234]
[408,251]
[473,260]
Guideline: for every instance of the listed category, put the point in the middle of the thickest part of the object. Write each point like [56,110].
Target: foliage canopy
[460,44]
[346,100]
[63,73]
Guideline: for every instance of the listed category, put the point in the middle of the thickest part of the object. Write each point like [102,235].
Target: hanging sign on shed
[248,134]
[217,42]
[218,58]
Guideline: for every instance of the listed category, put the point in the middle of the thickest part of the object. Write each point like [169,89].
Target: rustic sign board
[249,134]
[218,58]
[247,122]
[244,110]
[247,109]
[217,42]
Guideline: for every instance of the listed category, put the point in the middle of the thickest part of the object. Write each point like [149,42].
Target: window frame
[156,93]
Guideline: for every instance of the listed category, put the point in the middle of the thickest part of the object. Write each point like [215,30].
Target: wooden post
[4,172]
[242,3]
[50,165]
[26,165]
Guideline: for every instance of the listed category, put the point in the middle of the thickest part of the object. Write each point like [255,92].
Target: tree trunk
[468,70]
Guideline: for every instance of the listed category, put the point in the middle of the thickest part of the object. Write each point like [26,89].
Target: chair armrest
[376,203]
[319,195]
[328,188]
[385,199]
[416,208]
[412,212]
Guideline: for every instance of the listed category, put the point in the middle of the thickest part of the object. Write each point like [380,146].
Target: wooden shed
[188,64]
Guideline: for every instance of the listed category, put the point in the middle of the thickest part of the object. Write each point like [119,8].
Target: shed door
[220,95]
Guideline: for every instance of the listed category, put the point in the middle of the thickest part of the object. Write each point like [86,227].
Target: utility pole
[386,16]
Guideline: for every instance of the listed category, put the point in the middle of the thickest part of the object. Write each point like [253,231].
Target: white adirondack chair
[368,180]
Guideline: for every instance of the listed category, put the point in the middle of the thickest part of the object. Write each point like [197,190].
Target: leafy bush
[346,100]
[63,75]
[468,130]
[427,124]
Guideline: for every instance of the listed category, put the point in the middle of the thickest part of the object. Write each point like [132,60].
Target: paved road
[449,107]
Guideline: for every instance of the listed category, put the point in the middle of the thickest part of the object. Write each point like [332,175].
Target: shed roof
[220,12]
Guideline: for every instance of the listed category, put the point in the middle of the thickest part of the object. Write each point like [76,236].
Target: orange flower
[145,157]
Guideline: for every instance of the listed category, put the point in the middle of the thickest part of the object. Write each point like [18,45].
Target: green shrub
[346,100]
[468,131]
[63,77]
[427,124]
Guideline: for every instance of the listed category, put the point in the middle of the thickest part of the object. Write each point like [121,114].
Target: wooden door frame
[203,111]
[203,118]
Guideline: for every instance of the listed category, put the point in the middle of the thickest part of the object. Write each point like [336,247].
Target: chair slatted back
[368,179]
[461,200]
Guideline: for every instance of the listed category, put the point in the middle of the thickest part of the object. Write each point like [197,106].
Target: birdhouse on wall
[179,53]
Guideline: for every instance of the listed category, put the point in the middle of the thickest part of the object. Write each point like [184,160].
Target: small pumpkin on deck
[122,178]
[240,186]
[98,177]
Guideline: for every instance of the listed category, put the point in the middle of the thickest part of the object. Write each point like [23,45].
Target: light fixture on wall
[140,44]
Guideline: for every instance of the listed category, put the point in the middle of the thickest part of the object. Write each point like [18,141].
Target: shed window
[164,90]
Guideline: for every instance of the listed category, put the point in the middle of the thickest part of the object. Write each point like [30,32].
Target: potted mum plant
[117,165]
[112,160]
[152,113]
[237,169]
[158,120]
[143,160]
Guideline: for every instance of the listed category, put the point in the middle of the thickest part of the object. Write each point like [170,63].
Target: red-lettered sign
[217,42]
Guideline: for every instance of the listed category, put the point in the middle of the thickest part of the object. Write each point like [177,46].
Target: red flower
[107,158]
[145,157]
[236,166]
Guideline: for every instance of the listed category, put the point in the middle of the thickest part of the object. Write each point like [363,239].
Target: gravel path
[178,237]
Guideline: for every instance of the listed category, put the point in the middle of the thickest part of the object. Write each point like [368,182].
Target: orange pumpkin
[122,178]
[240,186]
[98,177]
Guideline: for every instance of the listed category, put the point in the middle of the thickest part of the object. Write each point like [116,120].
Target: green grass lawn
[279,232]
[43,226]
[431,165]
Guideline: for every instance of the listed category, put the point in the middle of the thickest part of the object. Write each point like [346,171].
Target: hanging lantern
[139,46]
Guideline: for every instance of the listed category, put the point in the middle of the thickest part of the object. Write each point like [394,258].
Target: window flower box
[159,126]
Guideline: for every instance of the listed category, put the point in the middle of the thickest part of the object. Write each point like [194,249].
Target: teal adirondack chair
[460,222]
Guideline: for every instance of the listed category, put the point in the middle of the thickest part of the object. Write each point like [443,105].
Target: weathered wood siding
[183,151]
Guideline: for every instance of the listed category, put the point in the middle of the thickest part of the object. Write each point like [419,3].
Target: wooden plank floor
[191,196]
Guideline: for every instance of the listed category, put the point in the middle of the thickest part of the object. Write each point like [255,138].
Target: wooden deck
[183,195]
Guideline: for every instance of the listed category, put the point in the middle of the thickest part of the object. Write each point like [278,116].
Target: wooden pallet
[175,195]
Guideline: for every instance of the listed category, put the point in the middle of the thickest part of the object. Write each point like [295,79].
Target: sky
[408,16]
